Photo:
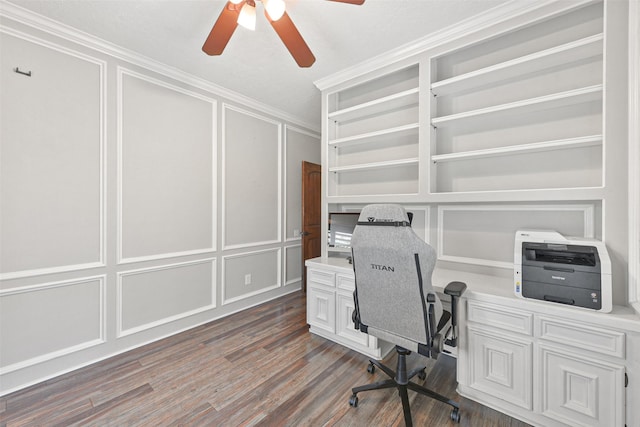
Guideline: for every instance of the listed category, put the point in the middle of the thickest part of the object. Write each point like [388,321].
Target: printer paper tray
[569,295]
[559,276]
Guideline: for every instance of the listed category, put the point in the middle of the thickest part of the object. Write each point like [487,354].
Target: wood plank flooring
[260,367]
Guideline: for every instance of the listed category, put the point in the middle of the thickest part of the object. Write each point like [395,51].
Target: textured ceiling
[256,64]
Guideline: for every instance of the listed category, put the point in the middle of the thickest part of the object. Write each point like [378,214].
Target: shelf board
[584,141]
[528,195]
[492,196]
[375,198]
[365,137]
[376,165]
[564,54]
[560,99]
[384,104]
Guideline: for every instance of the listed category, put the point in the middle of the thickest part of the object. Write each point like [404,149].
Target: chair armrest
[455,289]
[355,315]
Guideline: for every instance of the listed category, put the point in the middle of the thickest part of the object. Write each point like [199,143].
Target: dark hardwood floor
[258,367]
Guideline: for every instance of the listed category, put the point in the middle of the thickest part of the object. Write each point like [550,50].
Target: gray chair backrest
[393,268]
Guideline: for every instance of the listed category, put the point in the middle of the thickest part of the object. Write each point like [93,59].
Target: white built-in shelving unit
[437,127]
[500,105]
[513,123]
[372,136]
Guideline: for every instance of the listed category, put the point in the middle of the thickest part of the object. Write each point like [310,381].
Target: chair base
[401,379]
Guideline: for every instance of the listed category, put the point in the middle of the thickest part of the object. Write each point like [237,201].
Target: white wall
[137,201]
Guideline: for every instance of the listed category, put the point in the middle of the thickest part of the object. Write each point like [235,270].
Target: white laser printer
[572,271]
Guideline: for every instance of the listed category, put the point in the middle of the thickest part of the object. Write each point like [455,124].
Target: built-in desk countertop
[499,289]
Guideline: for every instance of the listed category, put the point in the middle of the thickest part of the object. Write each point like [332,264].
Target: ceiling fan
[243,12]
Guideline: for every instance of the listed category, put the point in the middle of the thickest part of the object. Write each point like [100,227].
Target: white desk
[544,363]
[330,286]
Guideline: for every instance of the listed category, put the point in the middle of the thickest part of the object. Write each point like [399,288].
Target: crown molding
[492,17]
[24,16]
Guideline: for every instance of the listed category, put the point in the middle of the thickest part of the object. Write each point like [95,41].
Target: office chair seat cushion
[396,340]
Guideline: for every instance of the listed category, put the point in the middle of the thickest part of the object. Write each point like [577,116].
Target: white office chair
[395,301]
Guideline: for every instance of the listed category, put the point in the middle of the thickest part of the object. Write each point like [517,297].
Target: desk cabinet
[547,364]
[330,305]
[321,308]
[500,348]
[580,391]
[546,369]
[500,365]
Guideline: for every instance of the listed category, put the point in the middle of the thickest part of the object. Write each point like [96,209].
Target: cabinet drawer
[500,317]
[326,278]
[345,282]
[591,338]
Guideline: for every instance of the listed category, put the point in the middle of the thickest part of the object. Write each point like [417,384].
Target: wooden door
[311,215]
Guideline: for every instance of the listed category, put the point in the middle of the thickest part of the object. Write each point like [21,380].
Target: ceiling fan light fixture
[275,8]
[247,17]
[243,12]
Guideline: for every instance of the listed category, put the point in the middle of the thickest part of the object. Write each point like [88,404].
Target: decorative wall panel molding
[250,273]
[166,169]
[55,210]
[149,297]
[250,142]
[50,320]
[53,158]
[484,234]
[292,264]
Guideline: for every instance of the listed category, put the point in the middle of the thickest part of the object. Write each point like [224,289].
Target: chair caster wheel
[353,401]
[371,368]
[422,375]
[455,415]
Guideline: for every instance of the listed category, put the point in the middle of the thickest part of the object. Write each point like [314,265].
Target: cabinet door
[345,327]
[500,365]
[579,391]
[321,308]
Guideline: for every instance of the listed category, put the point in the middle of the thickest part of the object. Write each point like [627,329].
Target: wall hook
[24,73]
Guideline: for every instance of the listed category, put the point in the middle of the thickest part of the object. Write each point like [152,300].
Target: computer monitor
[341,226]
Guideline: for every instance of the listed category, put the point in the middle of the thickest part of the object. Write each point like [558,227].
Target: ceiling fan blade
[223,29]
[292,39]
[358,2]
